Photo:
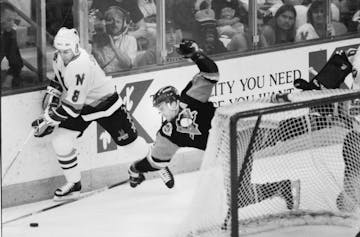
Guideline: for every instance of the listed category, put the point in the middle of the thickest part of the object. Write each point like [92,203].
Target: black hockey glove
[42,128]
[51,98]
[187,48]
[304,85]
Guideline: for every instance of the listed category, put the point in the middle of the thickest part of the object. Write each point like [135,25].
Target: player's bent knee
[63,141]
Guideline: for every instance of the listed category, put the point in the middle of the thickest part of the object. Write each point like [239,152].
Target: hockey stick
[31,133]
[85,195]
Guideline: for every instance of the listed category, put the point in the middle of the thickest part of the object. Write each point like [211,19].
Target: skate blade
[72,196]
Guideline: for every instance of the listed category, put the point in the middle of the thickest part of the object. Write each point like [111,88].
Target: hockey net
[297,162]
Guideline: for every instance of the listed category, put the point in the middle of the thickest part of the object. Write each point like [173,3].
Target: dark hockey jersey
[190,128]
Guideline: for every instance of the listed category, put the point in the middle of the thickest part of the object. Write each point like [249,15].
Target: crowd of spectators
[279,21]
[219,26]
[123,33]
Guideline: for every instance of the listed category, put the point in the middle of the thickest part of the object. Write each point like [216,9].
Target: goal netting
[290,159]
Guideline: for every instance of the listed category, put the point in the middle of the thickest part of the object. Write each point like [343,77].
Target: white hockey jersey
[86,90]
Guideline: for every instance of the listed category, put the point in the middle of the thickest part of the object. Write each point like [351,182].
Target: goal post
[290,159]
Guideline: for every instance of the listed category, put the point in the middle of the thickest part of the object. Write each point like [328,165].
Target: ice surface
[150,210]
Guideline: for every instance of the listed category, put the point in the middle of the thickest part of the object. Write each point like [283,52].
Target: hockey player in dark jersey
[187,123]
[187,117]
[349,197]
[79,94]
[332,76]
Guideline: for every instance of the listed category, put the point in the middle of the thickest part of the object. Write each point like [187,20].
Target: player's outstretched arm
[201,85]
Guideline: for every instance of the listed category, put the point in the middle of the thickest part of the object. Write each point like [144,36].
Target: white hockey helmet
[67,39]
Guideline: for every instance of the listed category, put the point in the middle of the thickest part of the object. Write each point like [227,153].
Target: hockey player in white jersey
[79,94]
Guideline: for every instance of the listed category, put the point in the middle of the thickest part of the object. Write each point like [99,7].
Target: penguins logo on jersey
[185,123]
[167,129]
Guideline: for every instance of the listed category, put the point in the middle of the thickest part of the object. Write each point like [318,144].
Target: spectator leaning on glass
[115,49]
[9,48]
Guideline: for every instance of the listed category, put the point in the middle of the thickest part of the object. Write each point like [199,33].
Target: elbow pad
[204,63]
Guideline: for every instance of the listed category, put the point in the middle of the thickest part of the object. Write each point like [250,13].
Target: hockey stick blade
[65,202]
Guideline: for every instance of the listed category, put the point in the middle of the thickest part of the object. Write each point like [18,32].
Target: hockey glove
[46,124]
[51,98]
[304,85]
[42,128]
[187,48]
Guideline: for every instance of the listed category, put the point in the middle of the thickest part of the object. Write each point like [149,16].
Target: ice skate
[135,177]
[167,177]
[68,191]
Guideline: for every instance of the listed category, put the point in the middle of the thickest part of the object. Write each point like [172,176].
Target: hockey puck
[34,224]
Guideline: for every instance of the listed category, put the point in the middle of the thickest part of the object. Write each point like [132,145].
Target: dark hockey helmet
[166,94]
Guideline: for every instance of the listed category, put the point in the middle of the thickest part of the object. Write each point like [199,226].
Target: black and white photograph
[180,118]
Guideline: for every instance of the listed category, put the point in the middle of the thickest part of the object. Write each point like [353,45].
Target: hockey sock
[144,166]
